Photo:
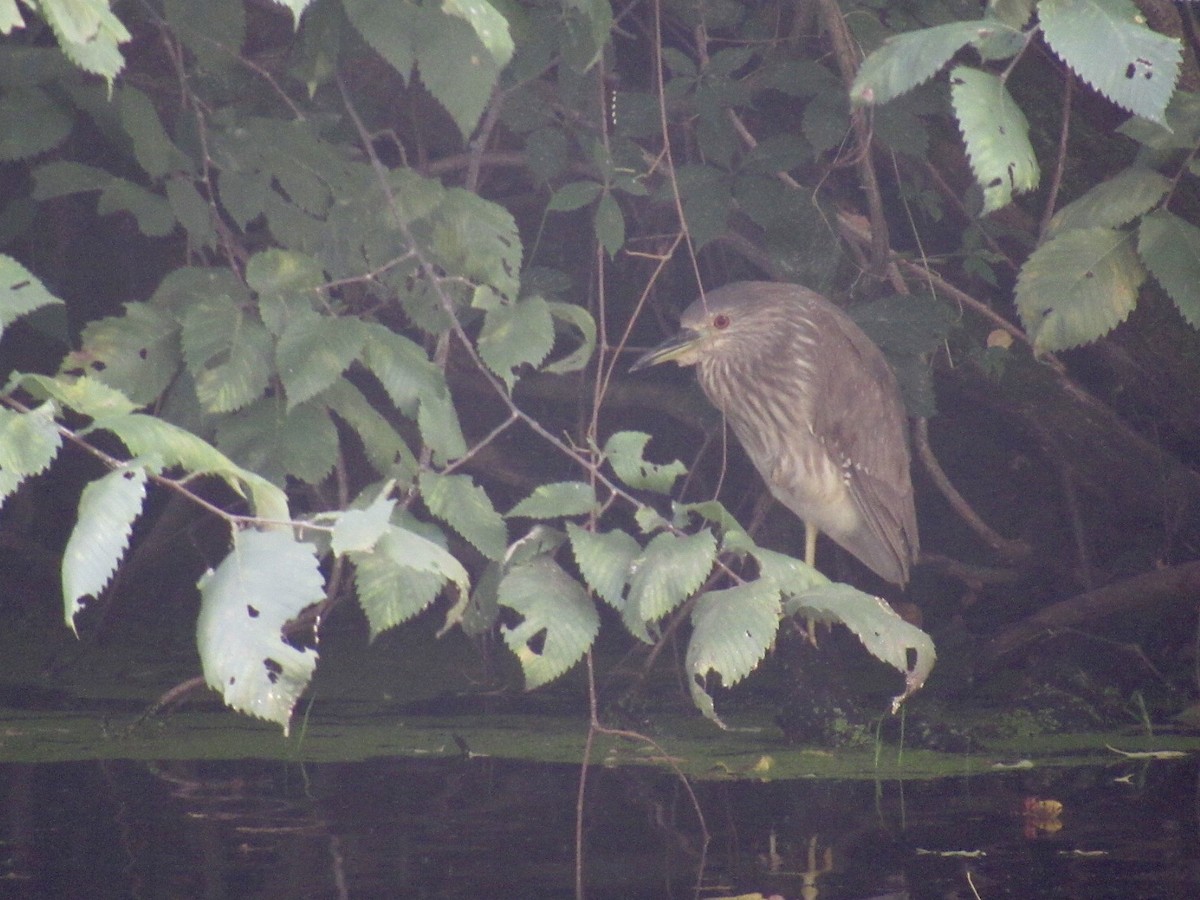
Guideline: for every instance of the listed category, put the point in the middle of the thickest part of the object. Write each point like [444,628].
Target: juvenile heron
[816,407]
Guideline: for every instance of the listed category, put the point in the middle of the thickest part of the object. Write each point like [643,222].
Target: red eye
[720,321]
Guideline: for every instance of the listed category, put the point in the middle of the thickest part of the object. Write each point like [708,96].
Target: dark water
[483,828]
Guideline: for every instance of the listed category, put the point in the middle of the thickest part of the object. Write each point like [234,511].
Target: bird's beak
[678,348]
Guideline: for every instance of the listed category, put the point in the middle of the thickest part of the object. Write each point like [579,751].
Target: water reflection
[482,828]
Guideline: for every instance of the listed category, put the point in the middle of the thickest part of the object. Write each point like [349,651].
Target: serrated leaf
[625,452]
[402,367]
[1107,43]
[886,636]
[266,580]
[28,444]
[85,395]
[1078,286]
[20,292]
[733,536]
[668,571]
[62,178]
[361,529]
[997,136]
[192,210]
[389,591]
[910,59]
[478,240]
[384,446]
[227,351]
[151,437]
[88,33]
[555,500]
[314,351]
[791,575]
[137,352]
[463,505]
[286,283]
[540,540]
[559,621]
[277,442]
[581,320]
[732,630]
[605,560]
[1170,248]
[389,28]
[107,510]
[455,65]
[516,334]
[1113,202]
[440,429]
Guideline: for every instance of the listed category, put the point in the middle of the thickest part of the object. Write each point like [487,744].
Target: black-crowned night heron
[815,405]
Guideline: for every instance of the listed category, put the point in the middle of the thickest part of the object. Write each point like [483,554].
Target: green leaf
[732,630]
[1078,286]
[478,240]
[997,136]
[402,367]
[192,210]
[1112,203]
[625,452]
[456,66]
[389,28]
[314,351]
[669,570]
[1170,248]
[31,123]
[886,636]
[20,292]
[910,59]
[152,148]
[151,437]
[609,223]
[62,178]
[85,395]
[154,215]
[358,530]
[137,352]
[516,334]
[401,577]
[227,350]
[605,560]
[551,501]
[1107,43]
[287,284]
[277,441]
[386,449]
[1012,12]
[582,322]
[733,536]
[559,621]
[791,575]
[28,444]
[490,26]
[88,33]
[573,196]
[438,422]
[107,509]
[462,504]
[266,580]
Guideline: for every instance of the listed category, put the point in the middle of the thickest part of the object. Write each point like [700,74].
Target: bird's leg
[810,557]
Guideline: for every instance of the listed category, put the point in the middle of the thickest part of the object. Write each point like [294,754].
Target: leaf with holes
[267,579]
[997,136]
[886,636]
[605,560]
[558,620]
[1107,43]
[625,452]
[1078,286]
